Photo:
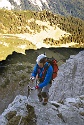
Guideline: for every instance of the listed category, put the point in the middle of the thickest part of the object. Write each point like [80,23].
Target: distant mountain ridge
[63,7]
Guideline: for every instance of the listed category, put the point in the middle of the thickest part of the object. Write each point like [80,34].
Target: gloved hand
[37,87]
[32,78]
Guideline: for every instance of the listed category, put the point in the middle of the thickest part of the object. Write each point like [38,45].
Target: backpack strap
[44,73]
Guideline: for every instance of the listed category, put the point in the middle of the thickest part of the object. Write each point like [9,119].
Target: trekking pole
[29,89]
[28,92]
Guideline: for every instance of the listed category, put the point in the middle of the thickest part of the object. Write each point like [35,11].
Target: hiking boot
[40,98]
[45,101]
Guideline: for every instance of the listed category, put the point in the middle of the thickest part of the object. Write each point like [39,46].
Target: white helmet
[40,57]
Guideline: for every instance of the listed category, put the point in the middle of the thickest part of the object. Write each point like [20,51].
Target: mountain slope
[21,30]
[16,70]
[63,7]
[66,102]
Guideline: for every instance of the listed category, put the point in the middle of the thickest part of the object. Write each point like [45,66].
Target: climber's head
[41,60]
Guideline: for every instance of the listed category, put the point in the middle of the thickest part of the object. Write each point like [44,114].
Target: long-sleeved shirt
[48,75]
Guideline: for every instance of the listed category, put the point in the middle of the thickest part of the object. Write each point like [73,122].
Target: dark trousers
[44,92]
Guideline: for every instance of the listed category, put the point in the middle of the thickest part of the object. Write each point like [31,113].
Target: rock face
[17,113]
[68,90]
[70,79]
[66,103]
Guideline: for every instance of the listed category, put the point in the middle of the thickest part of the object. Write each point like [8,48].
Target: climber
[44,77]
